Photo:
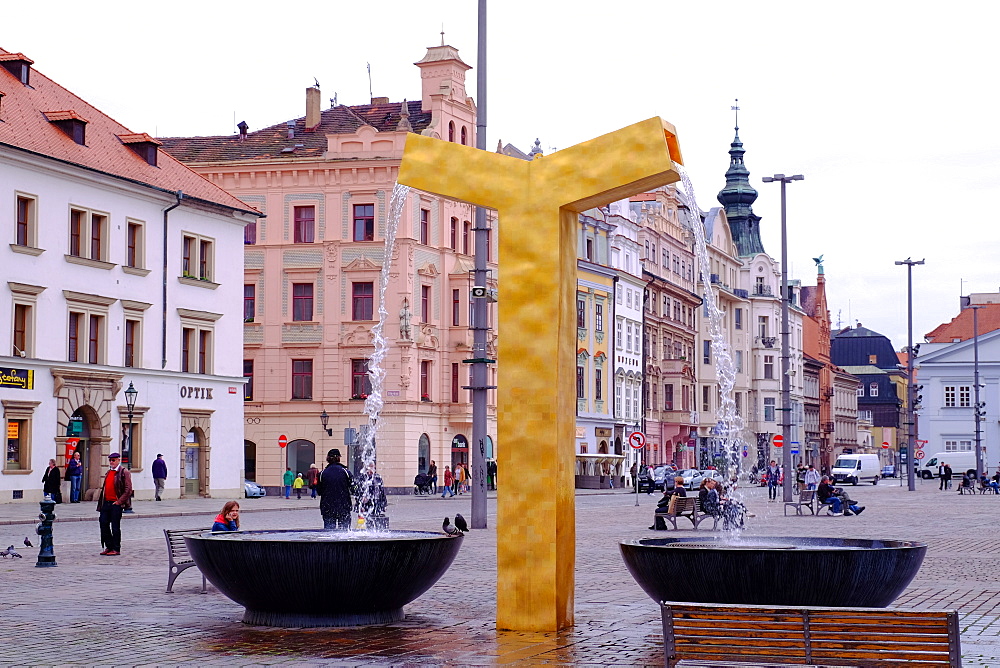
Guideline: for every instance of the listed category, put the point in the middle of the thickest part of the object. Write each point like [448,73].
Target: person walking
[74,473]
[51,481]
[461,475]
[298,484]
[812,477]
[287,480]
[159,476]
[432,473]
[116,491]
[491,473]
[312,478]
[773,477]
[335,493]
[946,474]
[449,480]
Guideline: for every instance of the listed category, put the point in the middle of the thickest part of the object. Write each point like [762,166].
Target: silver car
[252,490]
[711,474]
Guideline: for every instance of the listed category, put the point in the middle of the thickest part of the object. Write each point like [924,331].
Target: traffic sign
[885,444]
[637,440]
[919,454]
[778,440]
[282,441]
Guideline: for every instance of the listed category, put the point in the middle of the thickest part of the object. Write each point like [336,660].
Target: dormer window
[142,145]
[17,64]
[71,123]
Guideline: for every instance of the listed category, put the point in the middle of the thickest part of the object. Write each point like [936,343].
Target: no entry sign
[282,441]
[778,440]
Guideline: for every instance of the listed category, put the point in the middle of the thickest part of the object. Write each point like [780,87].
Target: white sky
[879,104]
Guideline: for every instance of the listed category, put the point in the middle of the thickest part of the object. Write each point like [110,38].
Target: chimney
[291,129]
[243,130]
[312,108]
[380,100]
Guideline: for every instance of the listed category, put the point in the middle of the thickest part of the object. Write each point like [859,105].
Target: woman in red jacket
[449,480]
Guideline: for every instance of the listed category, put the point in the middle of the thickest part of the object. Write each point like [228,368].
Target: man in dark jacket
[159,475]
[114,496]
[335,493]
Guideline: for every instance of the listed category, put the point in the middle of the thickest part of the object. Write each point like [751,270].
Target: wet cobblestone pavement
[112,611]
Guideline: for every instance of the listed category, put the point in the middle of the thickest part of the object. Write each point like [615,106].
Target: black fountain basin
[833,572]
[313,577]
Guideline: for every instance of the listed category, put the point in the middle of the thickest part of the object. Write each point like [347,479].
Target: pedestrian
[74,473]
[492,469]
[773,476]
[51,481]
[335,493]
[432,473]
[298,484]
[287,481]
[116,490]
[812,477]
[667,503]
[449,480]
[159,476]
[312,477]
[946,474]
[461,475]
[229,518]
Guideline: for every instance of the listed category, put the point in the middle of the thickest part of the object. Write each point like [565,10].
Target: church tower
[738,197]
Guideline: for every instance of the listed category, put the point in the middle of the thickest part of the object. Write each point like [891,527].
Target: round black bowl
[834,572]
[298,578]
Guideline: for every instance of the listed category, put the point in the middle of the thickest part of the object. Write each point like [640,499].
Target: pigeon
[9,552]
[449,529]
[461,524]
[27,543]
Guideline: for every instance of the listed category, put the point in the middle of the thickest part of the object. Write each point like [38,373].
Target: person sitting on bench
[665,505]
[834,496]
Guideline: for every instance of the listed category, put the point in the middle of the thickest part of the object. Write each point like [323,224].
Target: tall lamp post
[786,399]
[911,432]
[130,394]
[980,464]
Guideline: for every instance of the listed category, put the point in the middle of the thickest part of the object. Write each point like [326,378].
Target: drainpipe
[166,213]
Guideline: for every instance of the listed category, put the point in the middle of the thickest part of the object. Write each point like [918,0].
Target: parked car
[646,483]
[708,473]
[660,474]
[252,490]
[889,471]
[688,475]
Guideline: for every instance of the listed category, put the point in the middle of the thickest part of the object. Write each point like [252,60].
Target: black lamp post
[325,420]
[130,394]
[911,412]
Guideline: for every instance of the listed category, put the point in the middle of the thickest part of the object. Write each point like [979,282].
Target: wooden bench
[180,559]
[807,499]
[731,635]
[684,506]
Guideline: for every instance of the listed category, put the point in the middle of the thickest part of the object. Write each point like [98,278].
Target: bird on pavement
[449,529]
[9,552]
[461,524]
[27,543]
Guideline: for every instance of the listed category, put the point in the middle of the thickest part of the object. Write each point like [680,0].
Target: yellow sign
[20,378]
[12,429]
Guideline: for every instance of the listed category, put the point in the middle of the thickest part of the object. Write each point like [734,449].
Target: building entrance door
[192,465]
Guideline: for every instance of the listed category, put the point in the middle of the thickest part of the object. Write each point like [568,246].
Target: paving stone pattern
[112,611]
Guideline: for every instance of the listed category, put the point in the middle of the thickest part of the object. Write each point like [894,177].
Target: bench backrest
[807,495]
[176,545]
[684,504]
[811,636]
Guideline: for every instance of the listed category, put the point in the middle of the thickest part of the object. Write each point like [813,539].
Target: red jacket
[449,478]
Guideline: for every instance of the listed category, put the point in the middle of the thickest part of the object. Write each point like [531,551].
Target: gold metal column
[538,203]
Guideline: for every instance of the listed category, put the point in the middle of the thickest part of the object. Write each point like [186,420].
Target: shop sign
[23,379]
[602,432]
[188,392]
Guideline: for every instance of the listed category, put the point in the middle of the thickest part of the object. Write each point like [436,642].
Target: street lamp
[325,420]
[980,464]
[130,394]
[911,438]
[786,401]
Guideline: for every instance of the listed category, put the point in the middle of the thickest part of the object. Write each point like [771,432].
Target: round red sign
[885,444]
[778,440]
[282,441]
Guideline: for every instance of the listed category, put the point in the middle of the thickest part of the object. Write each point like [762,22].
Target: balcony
[714,278]
[741,293]
[767,341]
[762,291]
[828,427]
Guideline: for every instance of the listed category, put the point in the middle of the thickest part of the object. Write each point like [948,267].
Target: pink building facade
[311,272]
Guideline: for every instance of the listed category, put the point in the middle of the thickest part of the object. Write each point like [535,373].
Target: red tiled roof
[5,55]
[138,138]
[267,143]
[27,126]
[960,327]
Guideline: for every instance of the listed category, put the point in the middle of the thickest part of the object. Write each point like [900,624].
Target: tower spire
[738,197]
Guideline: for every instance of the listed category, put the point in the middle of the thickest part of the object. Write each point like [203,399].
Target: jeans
[447,490]
[811,485]
[111,526]
[772,491]
[74,488]
[313,492]
[288,491]
[836,503]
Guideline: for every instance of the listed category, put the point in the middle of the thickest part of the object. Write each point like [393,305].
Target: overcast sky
[889,109]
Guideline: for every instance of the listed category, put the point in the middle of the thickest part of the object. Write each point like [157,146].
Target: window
[250,233]
[87,331]
[456,307]
[135,245]
[425,304]
[425,380]
[197,257]
[132,340]
[580,388]
[666,306]
[581,313]
[25,299]
[646,256]
[666,259]
[362,300]
[88,233]
[249,301]
[302,302]
[466,234]
[668,396]
[451,131]
[652,345]
[738,399]
[489,245]
[197,340]
[304,220]
[27,227]
[454,233]
[73,337]
[628,336]
[18,418]
[706,398]
[598,385]
[590,250]
[957,446]
[628,403]
[618,399]
[361,384]
[949,395]
[620,339]
[425,226]
[762,326]
[248,386]
[302,379]
[738,318]
[769,409]
[454,382]
[768,366]
[599,317]
[965,396]
[656,396]
[465,136]
[364,222]
[95,339]
[739,361]
[873,390]
[706,352]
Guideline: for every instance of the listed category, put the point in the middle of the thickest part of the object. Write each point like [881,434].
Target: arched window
[464,136]
[451,130]
[423,453]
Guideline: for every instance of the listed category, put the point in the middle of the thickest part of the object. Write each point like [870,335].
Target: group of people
[711,498]
[297,482]
[456,482]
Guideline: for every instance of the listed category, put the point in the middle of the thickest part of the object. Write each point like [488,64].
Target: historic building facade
[116,277]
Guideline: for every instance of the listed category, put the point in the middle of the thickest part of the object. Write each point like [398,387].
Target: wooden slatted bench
[180,559]
[684,506]
[727,635]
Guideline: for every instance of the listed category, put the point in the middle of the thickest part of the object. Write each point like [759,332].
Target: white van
[857,468]
[960,462]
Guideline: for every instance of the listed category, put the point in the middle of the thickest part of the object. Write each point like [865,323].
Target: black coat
[50,481]
[335,491]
